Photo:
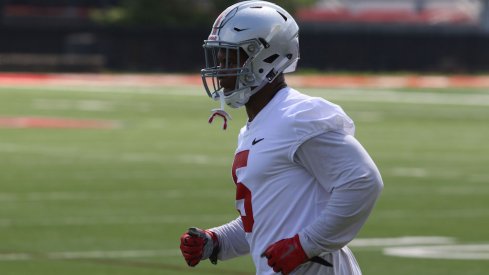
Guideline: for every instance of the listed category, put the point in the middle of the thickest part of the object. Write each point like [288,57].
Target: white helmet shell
[267,33]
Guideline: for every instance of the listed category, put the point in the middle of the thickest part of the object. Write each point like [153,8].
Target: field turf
[115,201]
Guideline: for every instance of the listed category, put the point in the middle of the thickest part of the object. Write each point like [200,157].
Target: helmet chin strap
[220,112]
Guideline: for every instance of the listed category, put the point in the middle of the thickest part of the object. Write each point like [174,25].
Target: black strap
[215,250]
[320,261]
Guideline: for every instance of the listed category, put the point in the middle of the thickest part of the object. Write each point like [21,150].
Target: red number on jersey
[243,194]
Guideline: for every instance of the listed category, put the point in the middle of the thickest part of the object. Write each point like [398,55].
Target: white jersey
[278,193]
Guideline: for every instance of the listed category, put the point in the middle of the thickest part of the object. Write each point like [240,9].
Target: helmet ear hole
[271,58]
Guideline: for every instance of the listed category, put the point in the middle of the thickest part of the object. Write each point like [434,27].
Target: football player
[304,185]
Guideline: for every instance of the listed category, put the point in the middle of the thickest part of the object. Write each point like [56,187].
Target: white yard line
[414,172]
[386,96]
[352,95]
[405,240]
[81,105]
[447,252]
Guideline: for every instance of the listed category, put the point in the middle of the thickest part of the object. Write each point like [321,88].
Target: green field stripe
[116,220]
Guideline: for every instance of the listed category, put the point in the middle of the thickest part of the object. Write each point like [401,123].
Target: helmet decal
[221,20]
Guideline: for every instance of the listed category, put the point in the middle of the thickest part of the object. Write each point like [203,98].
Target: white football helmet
[266,33]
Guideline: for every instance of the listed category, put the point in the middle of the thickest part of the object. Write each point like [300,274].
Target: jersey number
[243,194]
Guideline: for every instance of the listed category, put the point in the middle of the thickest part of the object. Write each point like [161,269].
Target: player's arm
[223,242]
[343,167]
[232,240]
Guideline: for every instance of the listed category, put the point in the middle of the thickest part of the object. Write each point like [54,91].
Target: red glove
[285,255]
[197,244]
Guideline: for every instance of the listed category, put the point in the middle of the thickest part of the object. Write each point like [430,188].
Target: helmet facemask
[229,71]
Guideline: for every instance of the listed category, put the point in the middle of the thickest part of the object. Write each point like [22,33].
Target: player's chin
[228,85]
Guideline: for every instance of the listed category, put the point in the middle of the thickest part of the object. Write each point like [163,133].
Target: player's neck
[259,100]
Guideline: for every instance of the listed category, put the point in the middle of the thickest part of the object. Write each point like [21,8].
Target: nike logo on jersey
[255,141]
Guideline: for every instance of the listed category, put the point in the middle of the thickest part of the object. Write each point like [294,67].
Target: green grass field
[115,201]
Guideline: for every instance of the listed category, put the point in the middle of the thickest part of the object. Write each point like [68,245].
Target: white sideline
[406,240]
[353,95]
[388,96]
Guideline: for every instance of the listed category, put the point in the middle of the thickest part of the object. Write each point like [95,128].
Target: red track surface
[44,122]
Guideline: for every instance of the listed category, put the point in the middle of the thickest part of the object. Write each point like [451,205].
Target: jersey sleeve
[315,116]
[232,240]
[345,170]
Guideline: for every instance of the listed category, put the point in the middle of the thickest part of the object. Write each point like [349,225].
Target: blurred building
[49,35]
[336,35]
[398,35]
[51,12]
[419,12]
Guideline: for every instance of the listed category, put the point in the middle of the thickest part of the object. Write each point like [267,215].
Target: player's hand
[197,244]
[285,255]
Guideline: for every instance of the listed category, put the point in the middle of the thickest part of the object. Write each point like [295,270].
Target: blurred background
[106,156]
[166,36]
